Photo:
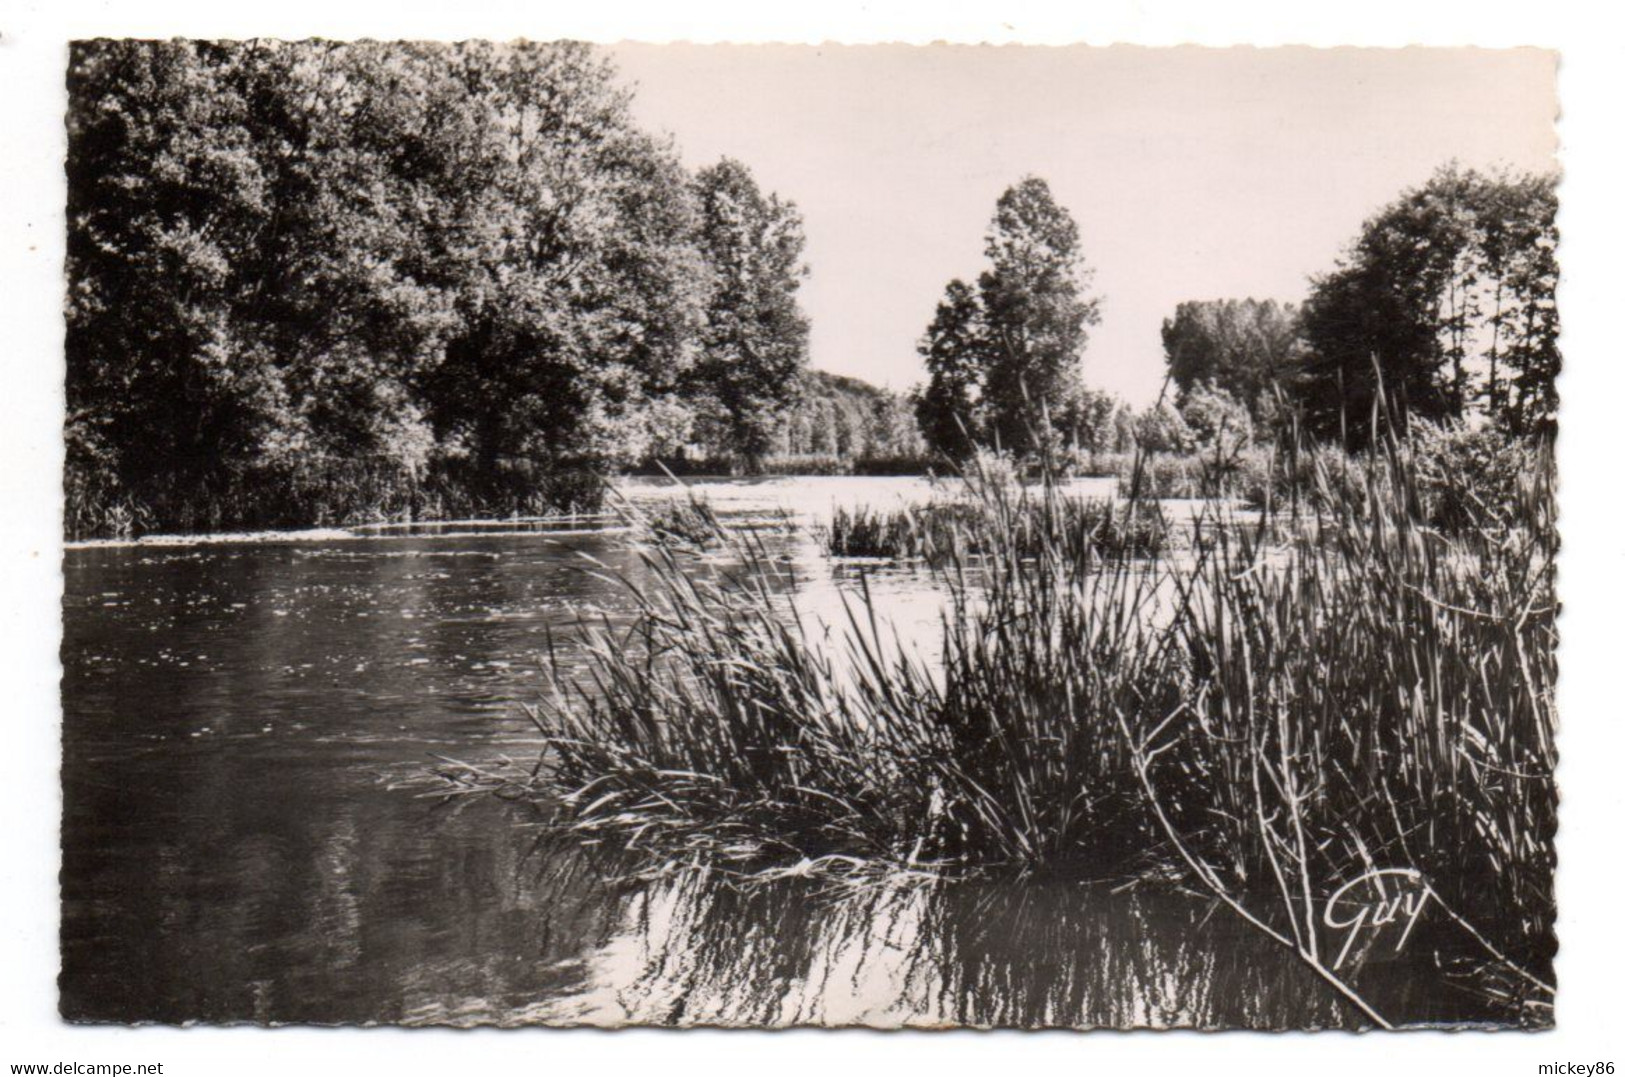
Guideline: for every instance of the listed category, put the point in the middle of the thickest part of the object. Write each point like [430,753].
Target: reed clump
[942,531]
[1274,713]
[904,533]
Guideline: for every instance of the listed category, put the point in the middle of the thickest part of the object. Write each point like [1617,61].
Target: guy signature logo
[1373,901]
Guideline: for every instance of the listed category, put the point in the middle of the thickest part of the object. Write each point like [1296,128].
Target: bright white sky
[1192,173]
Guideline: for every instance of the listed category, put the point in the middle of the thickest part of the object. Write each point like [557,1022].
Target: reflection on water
[236,846]
[690,950]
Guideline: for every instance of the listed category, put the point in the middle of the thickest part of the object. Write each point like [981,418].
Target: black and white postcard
[614,534]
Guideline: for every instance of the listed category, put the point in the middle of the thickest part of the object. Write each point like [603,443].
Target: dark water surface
[243,839]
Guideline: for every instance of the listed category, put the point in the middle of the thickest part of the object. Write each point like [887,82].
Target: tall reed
[942,530]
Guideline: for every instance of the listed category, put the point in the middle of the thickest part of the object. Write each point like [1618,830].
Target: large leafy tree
[754,336]
[290,258]
[569,244]
[1245,348]
[1446,302]
[169,195]
[347,290]
[1036,315]
[954,349]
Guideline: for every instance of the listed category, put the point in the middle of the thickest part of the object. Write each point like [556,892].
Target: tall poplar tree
[1005,360]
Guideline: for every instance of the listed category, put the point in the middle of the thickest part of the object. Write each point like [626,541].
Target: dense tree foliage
[1005,359]
[313,279]
[578,286]
[1447,300]
[1036,316]
[1445,303]
[850,423]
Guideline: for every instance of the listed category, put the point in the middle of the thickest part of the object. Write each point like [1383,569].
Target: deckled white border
[32,37]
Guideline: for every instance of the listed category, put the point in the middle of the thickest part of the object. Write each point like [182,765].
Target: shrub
[1219,425]
[1162,429]
[1162,476]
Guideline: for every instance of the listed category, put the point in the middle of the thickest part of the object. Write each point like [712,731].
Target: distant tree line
[1444,306]
[313,280]
[835,426]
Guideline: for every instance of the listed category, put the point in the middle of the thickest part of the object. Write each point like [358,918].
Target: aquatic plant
[683,521]
[1368,725]
[1321,729]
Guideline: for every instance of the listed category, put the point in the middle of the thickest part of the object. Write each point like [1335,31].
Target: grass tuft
[1277,710]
